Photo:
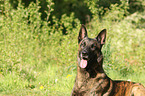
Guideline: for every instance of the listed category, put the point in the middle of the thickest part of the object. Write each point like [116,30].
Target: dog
[91,80]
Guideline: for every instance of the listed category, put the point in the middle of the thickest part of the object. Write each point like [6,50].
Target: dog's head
[90,48]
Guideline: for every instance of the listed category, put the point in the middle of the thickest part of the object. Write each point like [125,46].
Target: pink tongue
[83,63]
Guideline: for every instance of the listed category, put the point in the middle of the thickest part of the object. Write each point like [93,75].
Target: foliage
[39,49]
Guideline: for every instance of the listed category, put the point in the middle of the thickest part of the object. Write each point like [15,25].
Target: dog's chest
[89,87]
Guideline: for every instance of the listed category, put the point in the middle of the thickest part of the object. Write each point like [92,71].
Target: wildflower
[56,80]
[68,75]
[129,80]
[41,87]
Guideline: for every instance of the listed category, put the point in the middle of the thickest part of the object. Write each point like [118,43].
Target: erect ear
[82,33]
[101,37]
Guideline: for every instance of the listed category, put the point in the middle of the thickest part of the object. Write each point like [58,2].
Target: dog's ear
[82,33]
[101,37]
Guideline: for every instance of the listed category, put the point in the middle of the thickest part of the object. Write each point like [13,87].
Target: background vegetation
[38,42]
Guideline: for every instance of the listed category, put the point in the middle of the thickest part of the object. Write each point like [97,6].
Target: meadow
[38,55]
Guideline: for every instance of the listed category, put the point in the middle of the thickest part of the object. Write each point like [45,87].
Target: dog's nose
[84,53]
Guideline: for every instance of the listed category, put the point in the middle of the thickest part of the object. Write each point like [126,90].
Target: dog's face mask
[89,49]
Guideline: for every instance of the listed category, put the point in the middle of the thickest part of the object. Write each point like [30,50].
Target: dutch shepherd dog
[91,79]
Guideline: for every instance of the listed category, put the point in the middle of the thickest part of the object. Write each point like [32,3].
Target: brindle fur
[92,80]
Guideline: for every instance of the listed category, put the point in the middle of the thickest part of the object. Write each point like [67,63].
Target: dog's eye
[93,46]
